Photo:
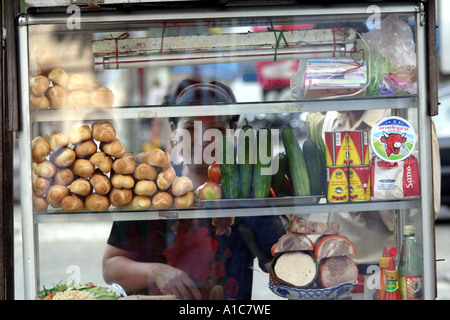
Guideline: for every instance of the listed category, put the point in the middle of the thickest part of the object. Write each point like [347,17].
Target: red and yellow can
[337,184]
[358,148]
[359,183]
[336,148]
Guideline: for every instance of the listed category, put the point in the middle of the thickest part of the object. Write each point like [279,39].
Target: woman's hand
[173,281]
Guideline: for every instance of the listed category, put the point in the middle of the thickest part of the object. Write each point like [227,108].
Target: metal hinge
[422,14]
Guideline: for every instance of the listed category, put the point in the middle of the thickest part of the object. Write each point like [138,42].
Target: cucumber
[311,154]
[297,165]
[278,177]
[245,165]
[228,169]
[261,179]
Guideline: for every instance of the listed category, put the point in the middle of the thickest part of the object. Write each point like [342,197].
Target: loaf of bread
[81,81]
[103,131]
[120,181]
[95,202]
[120,197]
[100,183]
[44,169]
[72,203]
[102,161]
[181,186]
[125,164]
[55,194]
[155,157]
[83,168]
[40,149]
[46,60]
[59,77]
[162,200]
[63,158]
[101,98]
[81,187]
[39,85]
[57,140]
[138,203]
[39,204]
[145,171]
[78,99]
[40,185]
[145,188]
[79,134]
[57,97]
[115,148]
[41,102]
[165,178]
[185,201]
[63,177]
[85,149]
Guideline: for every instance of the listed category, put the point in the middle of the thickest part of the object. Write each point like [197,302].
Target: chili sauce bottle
[391,287]
[384,264]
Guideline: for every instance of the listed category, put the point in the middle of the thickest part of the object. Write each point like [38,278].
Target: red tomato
[209,191]
[214,172]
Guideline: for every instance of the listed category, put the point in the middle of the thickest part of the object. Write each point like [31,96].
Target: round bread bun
[39,204]
[125,164]
[162,200]
[59,77]
[103,131]
[79,134]
[78,99]
[57,140]
[45,169]
[145,188]
[55,194]
[81,81]
[120,181]
[120,197]
[115,148]
[72,203]
[185,201]
[145,171]
[57,97]
[64,177]
[46,60]
[41,102]
[40,149]
[39,85]
[63,158]
[85,149]
[95,202]
[101,98]
[138,203]
[83,168]
[81,187]
[100,183]
[102,161]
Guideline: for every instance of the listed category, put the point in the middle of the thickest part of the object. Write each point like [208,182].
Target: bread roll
[78,99]
[83,168]
[85,149]
[82,82]
[185,201]
[162,200]
[79,134]
[115,148]
[57,97]
[145,171]
[40,204]
[72,203]
[64,177]
[59,77]
[41,102]
[81,187]
[155,157]
[40,149]
[102,161]
[63,158]
[120,197]
[181,185]
[57,140]
[145,188]
[103,131]
[101,98]
[46,60]
[95,202]
[45,169]
[125,165]
[138,203]
[40,185]
[165,178]
[100,183]
[122,181]
[55,194]
[39,85]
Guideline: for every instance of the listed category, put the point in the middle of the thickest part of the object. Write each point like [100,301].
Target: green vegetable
[314,127]
[228,169]
[278,177]
[314,166]
[262,177]
[245,165]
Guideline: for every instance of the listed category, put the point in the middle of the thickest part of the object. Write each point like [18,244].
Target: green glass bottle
[410,268]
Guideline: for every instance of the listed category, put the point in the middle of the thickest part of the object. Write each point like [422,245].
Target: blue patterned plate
[312,294]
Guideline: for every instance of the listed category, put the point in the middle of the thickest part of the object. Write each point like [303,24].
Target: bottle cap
[409,230]
[393,251]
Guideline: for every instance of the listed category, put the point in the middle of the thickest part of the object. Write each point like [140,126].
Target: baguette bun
[40,149]
[115,148]
[79,134]
[64,177]
[102,98]
[40,185]
[96,202]
[145,171]
[124,165]
[181,186]
[80,81]
[59,77]
[162,200]
[81,187]
[85,149]
[55,194]
[46,60]
[120,197]
[39,85]
[100,183]
[57,140]
[120,181]
[155,157]
[102,161]
[103,131]
[185,201]
[72,203]
[45,169]
[145,188]
[83,168]
[78,99]
[40,204]
[41,102]
[57,97]
[63,158]
[138,203]
[165,178]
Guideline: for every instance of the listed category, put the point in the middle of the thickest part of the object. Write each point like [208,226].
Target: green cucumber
[262,179]
[297,165]
[278,177]
[245,165]
[311,154]
[228,169]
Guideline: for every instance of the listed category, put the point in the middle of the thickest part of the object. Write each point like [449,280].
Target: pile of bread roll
[90,169]
[54,88]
